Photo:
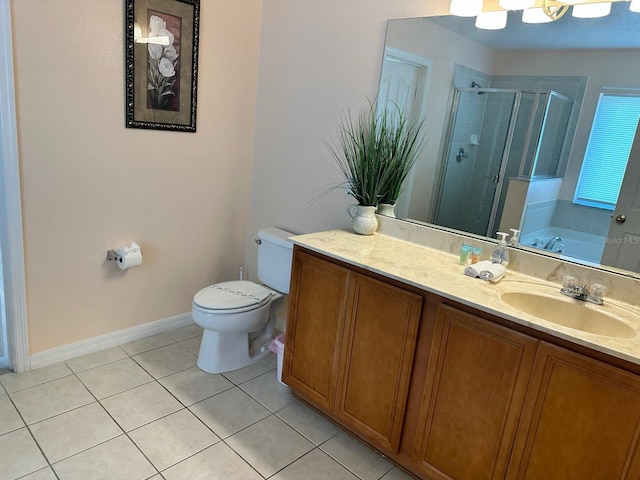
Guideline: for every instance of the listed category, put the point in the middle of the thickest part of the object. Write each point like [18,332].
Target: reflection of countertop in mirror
[440,273]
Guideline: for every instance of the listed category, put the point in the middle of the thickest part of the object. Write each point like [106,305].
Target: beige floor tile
[269,445]
[229,412]
[315,465]
[173,438]
[9,417]
[218,462]
[164,361]
[51,398]
[183,333]
[357,457]
[72,432]
[114,378]
[193,385]
[147,343]
[24,454]
[268,391]
[140,405]
[13,382]
[309,423]
[44,474]
[396,474]
[96,359]
[117,459]
[192,344]
[251,371]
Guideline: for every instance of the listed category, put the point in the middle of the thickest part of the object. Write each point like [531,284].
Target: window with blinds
[605,160]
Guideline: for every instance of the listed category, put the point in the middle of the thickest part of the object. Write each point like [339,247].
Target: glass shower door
[478,135]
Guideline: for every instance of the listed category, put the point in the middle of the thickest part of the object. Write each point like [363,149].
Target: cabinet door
[314,328]
[377,358]
[476,383]
[581,421]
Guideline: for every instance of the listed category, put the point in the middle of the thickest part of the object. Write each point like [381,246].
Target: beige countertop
[440,273]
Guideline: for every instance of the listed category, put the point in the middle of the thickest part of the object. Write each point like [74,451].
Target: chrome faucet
[572,289]
[552,242]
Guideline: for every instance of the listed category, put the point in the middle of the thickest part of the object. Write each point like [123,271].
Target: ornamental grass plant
[375,153]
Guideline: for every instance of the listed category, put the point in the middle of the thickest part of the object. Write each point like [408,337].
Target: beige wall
[89,184]
[317,59]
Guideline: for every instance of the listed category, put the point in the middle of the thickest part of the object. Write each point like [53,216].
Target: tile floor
[145,411]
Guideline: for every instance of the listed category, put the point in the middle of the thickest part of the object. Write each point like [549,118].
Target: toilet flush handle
[258,241]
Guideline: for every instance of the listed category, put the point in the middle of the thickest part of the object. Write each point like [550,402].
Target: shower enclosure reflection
[496,136]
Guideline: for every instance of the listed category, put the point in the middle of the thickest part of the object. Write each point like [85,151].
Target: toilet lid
[231,295]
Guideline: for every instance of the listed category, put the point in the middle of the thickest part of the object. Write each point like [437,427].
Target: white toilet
[238,316]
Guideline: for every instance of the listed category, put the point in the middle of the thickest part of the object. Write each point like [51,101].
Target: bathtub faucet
[551,243]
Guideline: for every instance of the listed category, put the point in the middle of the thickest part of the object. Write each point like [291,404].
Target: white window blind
[605,161]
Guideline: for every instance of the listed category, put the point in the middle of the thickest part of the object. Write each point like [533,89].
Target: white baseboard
[109,340]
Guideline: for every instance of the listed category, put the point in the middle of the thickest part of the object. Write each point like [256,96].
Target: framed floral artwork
[161,64]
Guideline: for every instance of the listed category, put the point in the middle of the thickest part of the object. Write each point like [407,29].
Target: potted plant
[374,153]
[403,140]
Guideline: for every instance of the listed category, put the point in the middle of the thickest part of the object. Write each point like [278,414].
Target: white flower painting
[164,62]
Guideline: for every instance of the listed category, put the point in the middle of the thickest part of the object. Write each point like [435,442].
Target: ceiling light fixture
[492,20]
[534,11]
[591,10]
[465,8]
[536,15]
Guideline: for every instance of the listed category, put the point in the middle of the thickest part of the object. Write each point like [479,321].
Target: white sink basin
[569,313]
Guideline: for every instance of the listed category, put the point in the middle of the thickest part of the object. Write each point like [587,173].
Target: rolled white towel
[493,272]
[475,269]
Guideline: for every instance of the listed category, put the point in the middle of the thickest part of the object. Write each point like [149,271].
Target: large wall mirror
[510,120]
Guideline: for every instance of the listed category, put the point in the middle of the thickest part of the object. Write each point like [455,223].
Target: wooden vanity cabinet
[317,308]
[350,347]
[481,401]
[581,421]
[476,384]
[376,359]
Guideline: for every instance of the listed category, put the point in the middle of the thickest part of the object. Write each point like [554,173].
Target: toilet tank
[275,252]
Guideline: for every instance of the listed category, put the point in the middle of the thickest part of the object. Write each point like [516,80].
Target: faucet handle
[569,283]
[597,292]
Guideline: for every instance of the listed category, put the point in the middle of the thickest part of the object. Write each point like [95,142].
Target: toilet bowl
[238,317]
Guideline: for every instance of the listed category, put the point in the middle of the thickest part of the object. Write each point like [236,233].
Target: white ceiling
[621,29]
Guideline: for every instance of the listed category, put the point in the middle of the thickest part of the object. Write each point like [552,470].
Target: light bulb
[592,10]
[465,8]
[536,15]
[516,4]
[492,20]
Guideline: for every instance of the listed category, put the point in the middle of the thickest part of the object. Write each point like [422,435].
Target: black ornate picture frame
[161,64]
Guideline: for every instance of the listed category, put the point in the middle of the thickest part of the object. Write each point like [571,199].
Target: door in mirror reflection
[622,249]
[404,84]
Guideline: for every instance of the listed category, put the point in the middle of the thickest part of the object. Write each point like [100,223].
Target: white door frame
[11,241]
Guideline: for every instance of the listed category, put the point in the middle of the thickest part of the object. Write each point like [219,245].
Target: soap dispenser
[515,237]
[501,254]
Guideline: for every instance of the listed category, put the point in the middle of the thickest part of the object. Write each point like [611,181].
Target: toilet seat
[232,297]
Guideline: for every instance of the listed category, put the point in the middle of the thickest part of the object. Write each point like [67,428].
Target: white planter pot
[364,221]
